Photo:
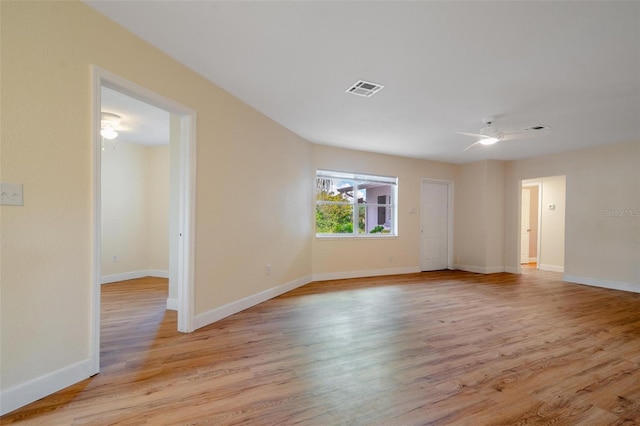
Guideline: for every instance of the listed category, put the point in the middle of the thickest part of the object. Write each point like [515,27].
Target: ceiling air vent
[536,128]
[364,88]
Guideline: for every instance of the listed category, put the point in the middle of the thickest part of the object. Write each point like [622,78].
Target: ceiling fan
[489,134]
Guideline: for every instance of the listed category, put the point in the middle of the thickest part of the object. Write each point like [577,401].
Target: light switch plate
[11,194]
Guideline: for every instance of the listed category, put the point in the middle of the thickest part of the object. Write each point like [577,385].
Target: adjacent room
[336,213]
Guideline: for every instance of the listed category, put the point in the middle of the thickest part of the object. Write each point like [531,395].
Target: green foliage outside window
[334,218]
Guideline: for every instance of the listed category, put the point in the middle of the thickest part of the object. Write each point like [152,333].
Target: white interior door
[525,226]
[434,225]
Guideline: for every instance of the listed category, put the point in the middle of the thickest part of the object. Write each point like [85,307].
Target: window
[350,204]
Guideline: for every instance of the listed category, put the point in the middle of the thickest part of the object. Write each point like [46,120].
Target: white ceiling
[140,122]
[574,66]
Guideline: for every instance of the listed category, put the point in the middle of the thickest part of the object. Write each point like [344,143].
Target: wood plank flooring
[432,348]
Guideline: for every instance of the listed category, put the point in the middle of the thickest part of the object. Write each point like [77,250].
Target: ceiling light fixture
[110,122]
[488,141]
[108,133]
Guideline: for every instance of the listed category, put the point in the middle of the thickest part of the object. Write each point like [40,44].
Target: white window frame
[357,179]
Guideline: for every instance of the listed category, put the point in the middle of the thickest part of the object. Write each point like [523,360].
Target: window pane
[378,208]
[328,189]
[334,219]
[341,196]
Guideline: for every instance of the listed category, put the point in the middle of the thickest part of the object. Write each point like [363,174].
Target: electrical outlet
[114,258]
[11,194]
[268,269]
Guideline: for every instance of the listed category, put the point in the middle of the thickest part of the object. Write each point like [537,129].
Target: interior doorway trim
[529,184]
[449,185]
[186,215]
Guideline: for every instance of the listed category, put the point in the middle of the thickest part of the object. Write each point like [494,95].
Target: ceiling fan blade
[472,145]
[530,132]
[473,135]
[518,135]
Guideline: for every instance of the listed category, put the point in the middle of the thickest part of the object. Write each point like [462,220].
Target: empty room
[363,213]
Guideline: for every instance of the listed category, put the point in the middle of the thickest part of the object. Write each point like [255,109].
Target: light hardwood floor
[431,348]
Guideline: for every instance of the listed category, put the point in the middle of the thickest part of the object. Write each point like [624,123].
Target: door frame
[525,184]
[186,199]
[522,217]
[450,188]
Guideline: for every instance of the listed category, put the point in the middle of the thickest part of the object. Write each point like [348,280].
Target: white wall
[158,192]
[135,210]
[124,208]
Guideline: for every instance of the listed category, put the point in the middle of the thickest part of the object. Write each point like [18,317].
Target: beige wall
[352,255]
[552,223]
[254,183]
[124,203]
[599,246]
[479,217]
[157,197]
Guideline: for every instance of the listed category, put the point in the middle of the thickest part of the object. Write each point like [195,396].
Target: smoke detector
[364,88]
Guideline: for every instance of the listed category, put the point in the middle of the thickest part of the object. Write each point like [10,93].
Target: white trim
[158,273]
[106,279]
[529,183]
[450,194]
[512,270]
[186,224]
[366,273]
[186,242]
[217,314]
[172,304]
[28,392]
[550,268]
[533,259]
[96,140]
[596,282]
[481,269]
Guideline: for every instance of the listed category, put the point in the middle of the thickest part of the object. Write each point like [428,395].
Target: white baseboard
[217,314]
[533,259]
[106,279]
[26,393]
[551,268]
[368,273]
[513,270]
[158,273]
[480,269]
[172,304]
[595,282]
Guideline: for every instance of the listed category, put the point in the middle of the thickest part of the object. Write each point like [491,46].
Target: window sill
[355,237]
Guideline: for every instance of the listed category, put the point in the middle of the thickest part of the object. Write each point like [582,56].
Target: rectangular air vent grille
[364,88]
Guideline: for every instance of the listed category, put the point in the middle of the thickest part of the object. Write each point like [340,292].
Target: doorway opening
[138,190]
[182,159]
[542,223]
